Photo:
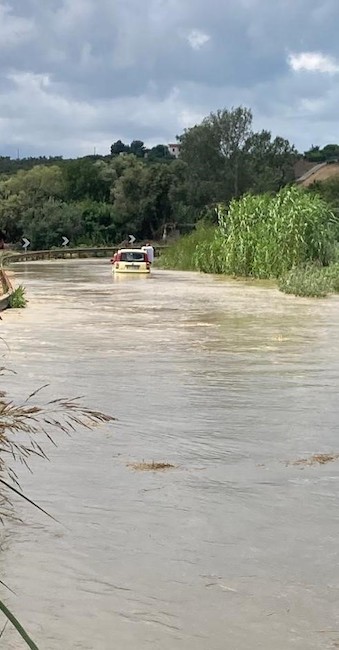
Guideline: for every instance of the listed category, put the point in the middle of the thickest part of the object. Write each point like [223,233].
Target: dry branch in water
[151,467]
[316,459]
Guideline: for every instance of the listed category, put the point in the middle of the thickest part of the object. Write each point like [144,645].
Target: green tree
[127,193]
[205,170]
[269,163]
[46,224]
[233,128]
[12,208]
[98,223]
[137,147]
[184,211]
[146,196]
[225,158]
[159,153]
[107,197]
[156,206]
[84,180]
[314,155]
[331,151]
[40,183]
[214,152]
[119,147]
[326,154]
[24,192]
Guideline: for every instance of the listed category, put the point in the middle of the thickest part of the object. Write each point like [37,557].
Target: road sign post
[26,243]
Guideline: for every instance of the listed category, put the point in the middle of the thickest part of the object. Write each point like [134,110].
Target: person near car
[149,250]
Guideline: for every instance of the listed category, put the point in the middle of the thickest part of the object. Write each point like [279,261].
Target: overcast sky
[80,74]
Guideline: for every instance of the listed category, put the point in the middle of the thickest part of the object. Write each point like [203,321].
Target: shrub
[309,281]
[183,254]
[332,273]
[18,299]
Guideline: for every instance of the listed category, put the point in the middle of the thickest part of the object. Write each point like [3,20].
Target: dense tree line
[102,199]
[329,153]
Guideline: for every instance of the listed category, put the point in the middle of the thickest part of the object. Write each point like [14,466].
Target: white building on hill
[174,149]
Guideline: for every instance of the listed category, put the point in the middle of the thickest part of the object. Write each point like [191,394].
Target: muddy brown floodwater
[233,548]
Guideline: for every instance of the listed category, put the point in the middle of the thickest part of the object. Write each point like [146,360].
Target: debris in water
[151,467]
[316,459]
[221,586]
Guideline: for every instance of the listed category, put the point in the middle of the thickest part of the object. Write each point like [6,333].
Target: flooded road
[230,550]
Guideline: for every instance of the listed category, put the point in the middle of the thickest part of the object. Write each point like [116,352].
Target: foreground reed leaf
[18,626]
[19,426]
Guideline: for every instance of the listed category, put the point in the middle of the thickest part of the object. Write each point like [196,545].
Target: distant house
[174,149]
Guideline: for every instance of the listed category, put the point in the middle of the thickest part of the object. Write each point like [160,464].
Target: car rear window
[132,256]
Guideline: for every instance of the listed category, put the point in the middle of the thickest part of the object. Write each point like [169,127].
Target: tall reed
[261,236]
[265,236]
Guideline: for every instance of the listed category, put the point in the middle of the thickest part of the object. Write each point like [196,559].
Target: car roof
[130,250]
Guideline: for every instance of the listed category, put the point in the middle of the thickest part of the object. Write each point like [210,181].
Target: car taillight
[117,265]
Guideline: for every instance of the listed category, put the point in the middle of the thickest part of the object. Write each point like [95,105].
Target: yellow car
[131,260]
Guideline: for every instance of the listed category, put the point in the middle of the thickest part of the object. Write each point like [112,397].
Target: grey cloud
[81,73]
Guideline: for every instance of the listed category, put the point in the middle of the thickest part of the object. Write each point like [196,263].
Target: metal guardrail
[7,290]
[67,253]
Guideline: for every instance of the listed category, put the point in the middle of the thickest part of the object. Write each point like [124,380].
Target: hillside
[321,172]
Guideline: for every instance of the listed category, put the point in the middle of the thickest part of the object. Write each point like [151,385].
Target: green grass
[311,281]
[18,298]
[332,274]
[182,254]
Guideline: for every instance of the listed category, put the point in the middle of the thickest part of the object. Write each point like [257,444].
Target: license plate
[134,266]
